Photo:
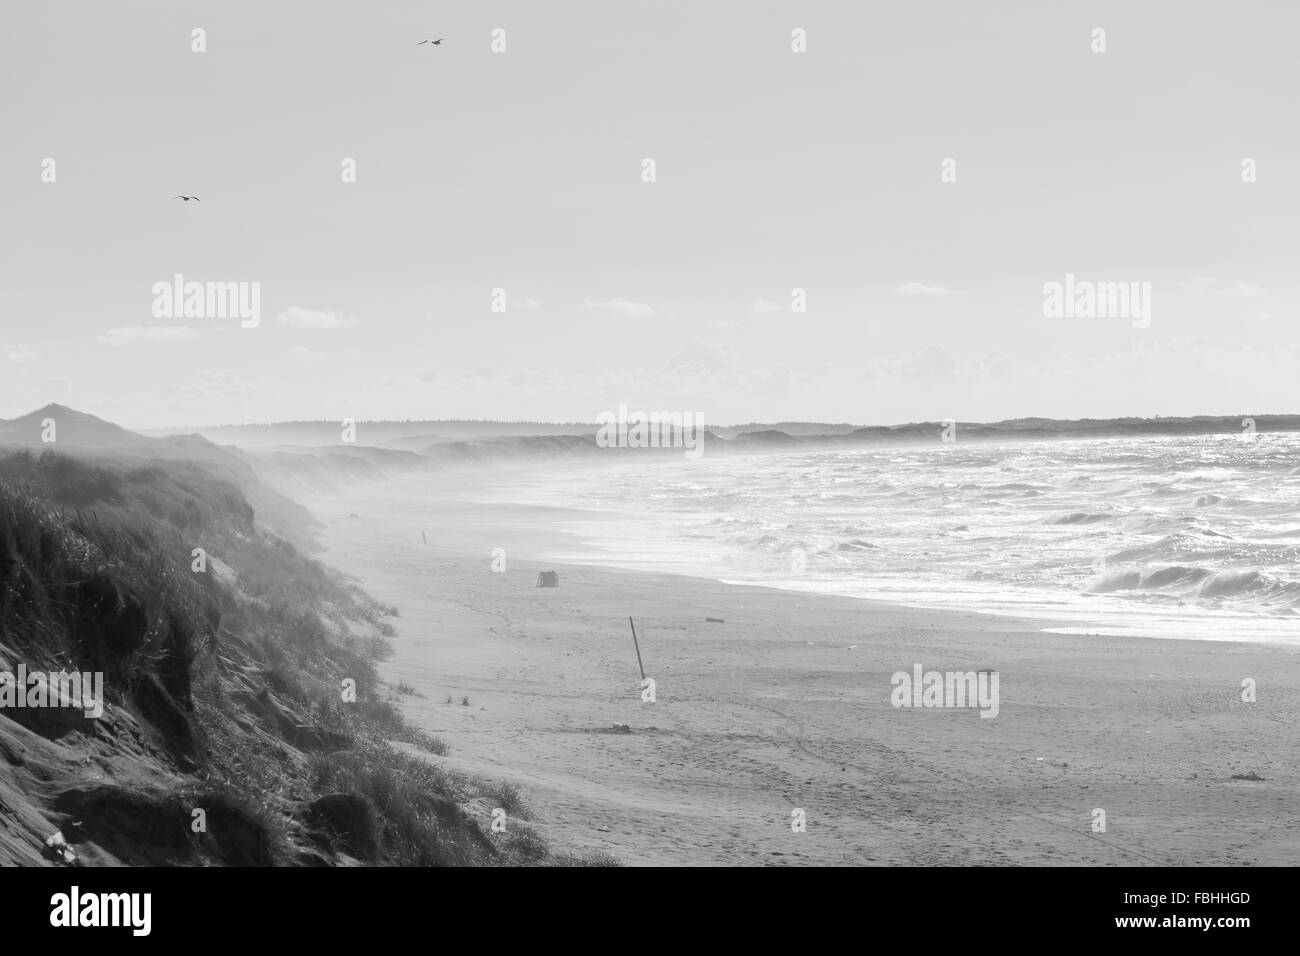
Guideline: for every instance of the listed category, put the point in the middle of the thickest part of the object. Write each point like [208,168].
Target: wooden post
[638,649]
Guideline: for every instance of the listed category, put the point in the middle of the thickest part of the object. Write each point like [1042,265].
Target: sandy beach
[786,705]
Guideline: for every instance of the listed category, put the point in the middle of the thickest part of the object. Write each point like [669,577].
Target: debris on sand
[619,728]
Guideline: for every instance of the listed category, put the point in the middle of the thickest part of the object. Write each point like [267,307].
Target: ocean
[1183,537]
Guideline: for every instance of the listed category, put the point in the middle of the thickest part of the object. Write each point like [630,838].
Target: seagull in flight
[434,42]
[188,198]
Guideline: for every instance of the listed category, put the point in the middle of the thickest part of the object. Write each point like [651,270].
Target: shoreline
[569,538]
[773,711]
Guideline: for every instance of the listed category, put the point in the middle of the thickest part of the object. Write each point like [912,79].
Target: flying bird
[434,42]
[188,198]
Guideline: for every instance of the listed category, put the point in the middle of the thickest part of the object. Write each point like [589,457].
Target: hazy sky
[775,170]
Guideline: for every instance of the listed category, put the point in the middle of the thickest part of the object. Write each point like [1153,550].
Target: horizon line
[701,424]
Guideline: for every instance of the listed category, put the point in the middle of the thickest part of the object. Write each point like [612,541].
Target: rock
[57,849]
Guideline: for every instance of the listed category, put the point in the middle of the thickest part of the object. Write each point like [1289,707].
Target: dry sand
[787,705]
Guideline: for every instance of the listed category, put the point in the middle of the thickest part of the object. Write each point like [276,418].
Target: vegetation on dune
[237,674]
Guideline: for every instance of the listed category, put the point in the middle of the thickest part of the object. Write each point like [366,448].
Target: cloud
[130,334]
[18,354]
[312,318]
[696,357]
[997,365]
[916,288]
[524,305]
[1227,286]
[778,380]
[634,310]
[763,307]
[934,365]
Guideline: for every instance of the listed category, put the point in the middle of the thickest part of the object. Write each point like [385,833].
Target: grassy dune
[224,687]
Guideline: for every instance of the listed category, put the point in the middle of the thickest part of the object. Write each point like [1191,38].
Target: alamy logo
[951,689]
[133,910]
[1084,299]
[36,689]
[179,299]
[655,430]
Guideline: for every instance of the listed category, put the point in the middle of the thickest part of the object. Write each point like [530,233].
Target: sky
[774,170]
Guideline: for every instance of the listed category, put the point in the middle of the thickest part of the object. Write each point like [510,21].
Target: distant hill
[765,436]
[69,426]
[421,436]
[388,434]
[81,435]
[271,468]
[413,442]
[795,429]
